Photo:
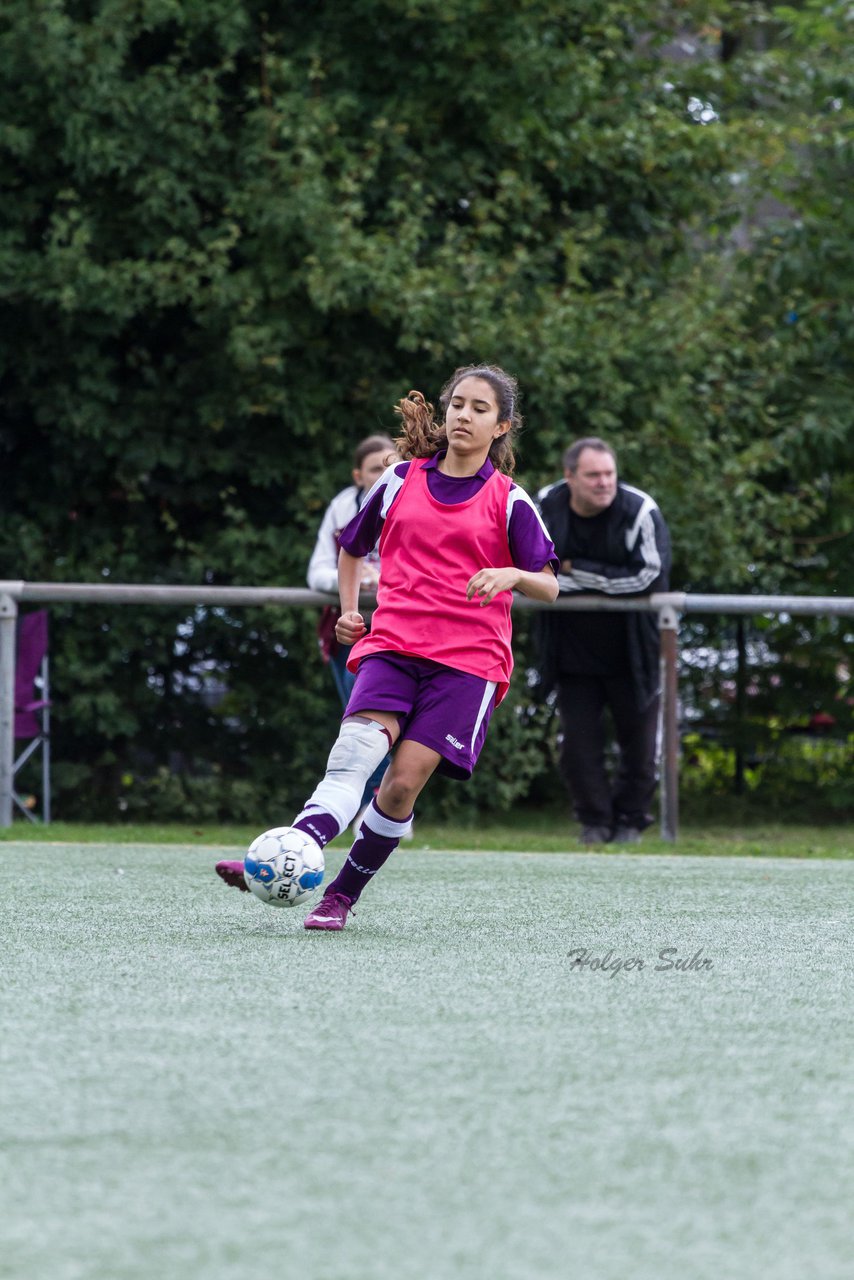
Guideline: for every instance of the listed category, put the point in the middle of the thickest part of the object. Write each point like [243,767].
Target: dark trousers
[600,801]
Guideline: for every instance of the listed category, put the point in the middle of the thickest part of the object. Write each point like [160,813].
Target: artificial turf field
[194,1087]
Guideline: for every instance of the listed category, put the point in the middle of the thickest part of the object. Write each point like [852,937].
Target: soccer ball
[283,866]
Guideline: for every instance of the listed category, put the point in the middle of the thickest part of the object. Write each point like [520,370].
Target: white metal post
[8,640]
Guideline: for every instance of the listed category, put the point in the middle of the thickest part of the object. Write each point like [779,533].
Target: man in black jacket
[612,539]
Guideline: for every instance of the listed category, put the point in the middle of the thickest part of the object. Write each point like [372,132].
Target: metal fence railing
[668,605]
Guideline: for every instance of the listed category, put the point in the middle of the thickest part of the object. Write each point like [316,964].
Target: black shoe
[627,835]
[595,835]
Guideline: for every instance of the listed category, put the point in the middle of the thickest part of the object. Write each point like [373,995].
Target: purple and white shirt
[530,545]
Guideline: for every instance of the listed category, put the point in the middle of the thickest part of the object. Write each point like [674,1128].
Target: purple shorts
[443,709]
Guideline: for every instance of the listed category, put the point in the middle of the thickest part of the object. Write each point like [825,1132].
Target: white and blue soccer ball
[283,866]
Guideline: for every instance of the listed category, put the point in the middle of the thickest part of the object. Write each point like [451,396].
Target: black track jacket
[623,551]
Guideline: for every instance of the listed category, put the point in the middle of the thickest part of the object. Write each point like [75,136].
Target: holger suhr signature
[668,961]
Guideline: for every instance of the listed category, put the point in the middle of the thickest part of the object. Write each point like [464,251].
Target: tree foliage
[235,234]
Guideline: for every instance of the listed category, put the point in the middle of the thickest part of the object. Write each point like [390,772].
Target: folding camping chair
[32,705]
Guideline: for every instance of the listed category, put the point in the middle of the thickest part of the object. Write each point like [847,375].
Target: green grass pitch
[197,1089]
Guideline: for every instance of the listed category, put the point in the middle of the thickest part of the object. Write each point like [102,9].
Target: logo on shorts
[449,737]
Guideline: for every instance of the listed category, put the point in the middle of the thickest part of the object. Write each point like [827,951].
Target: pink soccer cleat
[232,873]
[330,913]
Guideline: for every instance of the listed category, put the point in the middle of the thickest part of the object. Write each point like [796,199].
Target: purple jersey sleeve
[362,533]
[530,545]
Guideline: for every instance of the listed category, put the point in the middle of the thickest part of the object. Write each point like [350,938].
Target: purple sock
[379,835]
[318,824]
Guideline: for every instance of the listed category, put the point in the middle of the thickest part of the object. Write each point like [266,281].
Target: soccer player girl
[456,538]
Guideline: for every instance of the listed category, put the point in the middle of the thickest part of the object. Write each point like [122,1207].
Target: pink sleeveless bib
[428,553]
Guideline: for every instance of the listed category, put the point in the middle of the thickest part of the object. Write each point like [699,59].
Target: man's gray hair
[573,453]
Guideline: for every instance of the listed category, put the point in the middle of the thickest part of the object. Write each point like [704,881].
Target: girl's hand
[488,583]
[350,627]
